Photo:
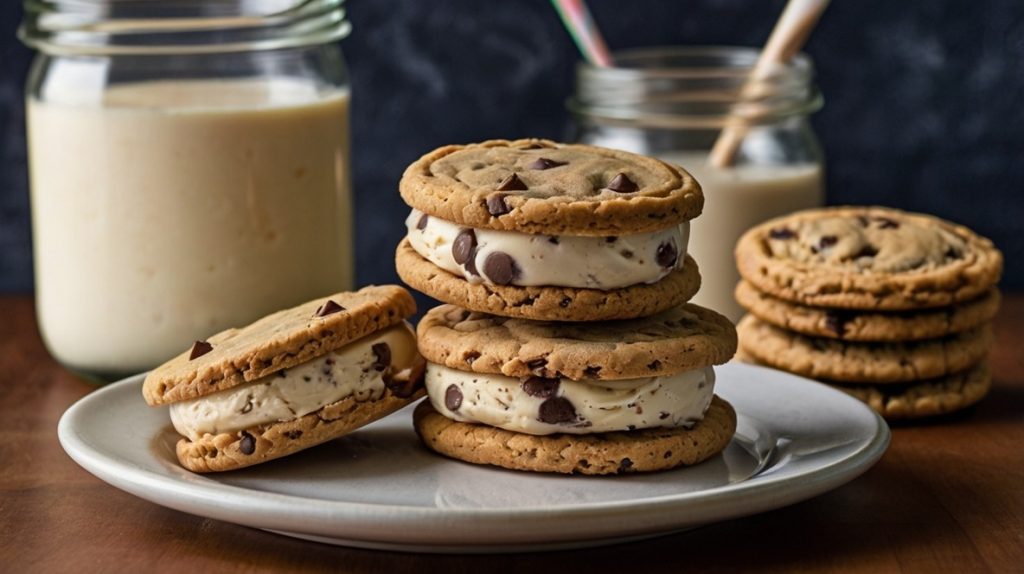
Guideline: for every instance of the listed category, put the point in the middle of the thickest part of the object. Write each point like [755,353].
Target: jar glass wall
[189,171]
[672,103]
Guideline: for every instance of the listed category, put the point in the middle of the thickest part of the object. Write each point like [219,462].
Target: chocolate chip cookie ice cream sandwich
[291,380]
[540,230]
[595,398]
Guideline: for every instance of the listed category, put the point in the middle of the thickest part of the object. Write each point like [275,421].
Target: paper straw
[584,32]
[790,33]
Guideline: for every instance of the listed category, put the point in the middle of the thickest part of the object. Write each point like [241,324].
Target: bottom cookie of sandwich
[229,451]
[644,450]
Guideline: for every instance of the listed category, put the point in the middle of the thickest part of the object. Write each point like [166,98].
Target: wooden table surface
[947,496]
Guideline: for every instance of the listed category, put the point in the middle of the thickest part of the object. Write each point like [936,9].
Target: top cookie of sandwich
[679,339]
[278,341]
[542,187]
[867,258]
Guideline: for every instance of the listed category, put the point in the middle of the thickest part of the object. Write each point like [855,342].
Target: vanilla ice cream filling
[511,258]
[545,406]
[356,370]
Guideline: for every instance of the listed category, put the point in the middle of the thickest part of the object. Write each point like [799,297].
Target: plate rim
[274,507]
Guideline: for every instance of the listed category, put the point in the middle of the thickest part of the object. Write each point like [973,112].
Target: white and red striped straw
[584,32]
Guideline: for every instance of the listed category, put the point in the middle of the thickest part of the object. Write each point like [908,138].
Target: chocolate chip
[663,415]
[827,241]
[611,239]
[626,253]
[199,348]
[781,233]
[471,357]
[292,434]
[471,264]
[422,223]
[565,302]
[402,389]
[452,398]
[540,387]
[625,465]
[886,223]
[512,183]
[553,240]
[496,204]
[557,410]
[866,251]
[545,163]
[463,246]
[382,352]
[500,268]
[836,321]
[666,256]
[537,364]
[328,308]
[248,443]
[622,184]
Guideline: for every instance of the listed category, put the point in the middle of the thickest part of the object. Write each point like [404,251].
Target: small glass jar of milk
[673,103]
[189,167]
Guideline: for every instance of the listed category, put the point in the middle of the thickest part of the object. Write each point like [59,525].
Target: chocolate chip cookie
[856,325]
[868,258]
[894,362]
[541,187]
[925,398]
[291,380]
[682,338]
[646,450]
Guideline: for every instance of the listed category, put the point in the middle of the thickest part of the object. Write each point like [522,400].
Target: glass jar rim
[693,87]
[155,27]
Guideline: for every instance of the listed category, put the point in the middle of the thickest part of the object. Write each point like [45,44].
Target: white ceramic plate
[379,488]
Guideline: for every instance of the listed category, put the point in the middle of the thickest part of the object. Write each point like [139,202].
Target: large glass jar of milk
[189,170]
[672,103]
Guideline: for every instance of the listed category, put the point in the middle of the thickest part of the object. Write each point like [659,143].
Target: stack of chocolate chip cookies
[567,344]
[892,307]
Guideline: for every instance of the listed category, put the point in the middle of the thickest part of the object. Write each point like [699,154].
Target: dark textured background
[923,101]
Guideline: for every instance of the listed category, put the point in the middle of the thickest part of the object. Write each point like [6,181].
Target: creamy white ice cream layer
[510,258]
[546,406]
[356,370]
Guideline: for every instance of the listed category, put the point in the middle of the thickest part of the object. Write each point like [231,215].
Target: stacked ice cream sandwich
[567,344]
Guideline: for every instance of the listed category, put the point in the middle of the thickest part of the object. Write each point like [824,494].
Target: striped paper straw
[584,32]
